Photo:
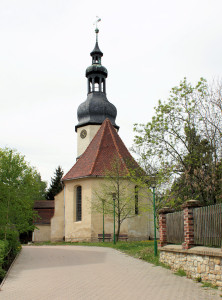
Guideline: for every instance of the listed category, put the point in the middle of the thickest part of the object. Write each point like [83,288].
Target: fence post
[162,225]
[188,207]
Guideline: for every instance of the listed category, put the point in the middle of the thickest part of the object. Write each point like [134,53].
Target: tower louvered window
[78,203]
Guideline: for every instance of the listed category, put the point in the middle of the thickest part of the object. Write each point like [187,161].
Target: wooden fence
[208,225]
[175,227]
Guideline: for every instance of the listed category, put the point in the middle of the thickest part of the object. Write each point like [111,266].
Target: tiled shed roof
[45,210]
[44,204]
[100,154]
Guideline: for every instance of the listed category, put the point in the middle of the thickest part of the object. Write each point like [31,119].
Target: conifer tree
[56,184]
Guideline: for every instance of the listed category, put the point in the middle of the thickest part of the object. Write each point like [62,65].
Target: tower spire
[96,108]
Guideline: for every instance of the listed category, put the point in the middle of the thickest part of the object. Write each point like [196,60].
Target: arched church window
[136,201]
[78,203]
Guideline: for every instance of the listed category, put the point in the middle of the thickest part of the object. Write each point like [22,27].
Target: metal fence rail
[208,225]
[175,228]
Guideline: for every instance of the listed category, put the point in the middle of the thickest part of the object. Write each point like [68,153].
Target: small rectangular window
[136,201]
[79,203]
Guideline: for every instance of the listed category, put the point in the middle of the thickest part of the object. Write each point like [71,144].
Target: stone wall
[198,262]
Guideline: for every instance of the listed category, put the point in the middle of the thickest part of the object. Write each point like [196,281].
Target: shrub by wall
[4,247]
[8,250]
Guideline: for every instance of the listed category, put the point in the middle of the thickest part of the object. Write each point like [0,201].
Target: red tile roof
[101,153]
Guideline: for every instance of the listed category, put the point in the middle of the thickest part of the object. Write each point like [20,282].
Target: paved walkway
[91,273]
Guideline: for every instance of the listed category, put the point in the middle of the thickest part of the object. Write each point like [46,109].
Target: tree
[120,181]
[198,179]
[20,184]
[56,184]
[183,141]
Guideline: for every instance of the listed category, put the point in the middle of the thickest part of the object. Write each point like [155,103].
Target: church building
[98,145]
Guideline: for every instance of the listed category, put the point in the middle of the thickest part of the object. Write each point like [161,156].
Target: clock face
[83,133]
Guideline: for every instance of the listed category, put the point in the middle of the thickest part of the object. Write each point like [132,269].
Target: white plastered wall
[82,143]
[78,230]
[139,227]
[57,221]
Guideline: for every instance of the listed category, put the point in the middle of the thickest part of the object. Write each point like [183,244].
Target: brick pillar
[188,207]
[162,225]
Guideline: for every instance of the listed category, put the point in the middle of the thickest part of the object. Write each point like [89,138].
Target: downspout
[64,214]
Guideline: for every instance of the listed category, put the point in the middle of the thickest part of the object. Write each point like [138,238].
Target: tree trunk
[118,228]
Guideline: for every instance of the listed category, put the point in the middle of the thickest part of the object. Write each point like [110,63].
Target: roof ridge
[117,148]
[97,153]
[114,140]
[77,162]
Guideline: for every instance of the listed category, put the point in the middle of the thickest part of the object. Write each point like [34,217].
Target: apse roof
[99,156]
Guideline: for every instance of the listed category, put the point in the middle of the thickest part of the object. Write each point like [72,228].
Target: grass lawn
[143,250]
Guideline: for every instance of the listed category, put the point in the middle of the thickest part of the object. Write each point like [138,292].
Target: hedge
[8,250]
[4,248]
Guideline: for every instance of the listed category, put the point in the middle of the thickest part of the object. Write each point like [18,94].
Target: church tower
[92,112]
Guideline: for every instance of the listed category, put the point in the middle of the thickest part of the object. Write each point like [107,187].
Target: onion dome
[96,68]
[95,110]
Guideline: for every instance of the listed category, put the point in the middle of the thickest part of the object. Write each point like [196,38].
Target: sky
[149,47]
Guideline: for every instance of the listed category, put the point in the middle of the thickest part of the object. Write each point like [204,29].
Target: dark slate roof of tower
[95,110]
[96,68]
[96,50]
[99,155]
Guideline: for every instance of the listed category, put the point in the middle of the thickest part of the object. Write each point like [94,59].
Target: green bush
[8,250]
[4,248]
[12,236]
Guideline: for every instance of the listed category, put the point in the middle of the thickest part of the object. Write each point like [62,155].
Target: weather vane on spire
[97,30]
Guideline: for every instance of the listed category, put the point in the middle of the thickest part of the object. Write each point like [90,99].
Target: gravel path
[91,273]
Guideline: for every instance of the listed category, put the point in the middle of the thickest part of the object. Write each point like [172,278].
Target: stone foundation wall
[197,262]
